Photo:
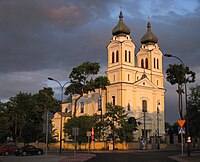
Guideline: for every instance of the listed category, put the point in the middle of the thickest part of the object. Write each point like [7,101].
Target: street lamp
[187,115]
[158,111]
[61,100]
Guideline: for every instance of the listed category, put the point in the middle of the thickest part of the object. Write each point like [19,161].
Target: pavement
[77,158]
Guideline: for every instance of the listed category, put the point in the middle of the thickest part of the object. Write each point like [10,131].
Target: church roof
[121,27]
[149,37]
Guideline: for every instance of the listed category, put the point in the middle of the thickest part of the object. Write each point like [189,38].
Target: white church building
[136,83]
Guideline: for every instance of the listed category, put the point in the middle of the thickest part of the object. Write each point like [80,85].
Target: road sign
[89,133]
[181,122]
[181,130]
[75,131]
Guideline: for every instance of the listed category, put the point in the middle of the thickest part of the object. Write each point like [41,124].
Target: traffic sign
[181,122]
[181,130]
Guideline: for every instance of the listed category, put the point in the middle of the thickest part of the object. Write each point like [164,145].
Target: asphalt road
[41,158]
[143,156]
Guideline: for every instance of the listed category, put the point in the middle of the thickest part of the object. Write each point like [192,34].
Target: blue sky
[41,39]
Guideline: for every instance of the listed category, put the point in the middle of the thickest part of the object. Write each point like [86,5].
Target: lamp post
[158,111]
[61,100]
[187,116]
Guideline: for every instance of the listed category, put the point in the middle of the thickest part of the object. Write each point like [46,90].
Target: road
[132,156]
[41,158]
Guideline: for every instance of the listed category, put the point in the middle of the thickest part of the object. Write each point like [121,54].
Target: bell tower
[149,57]
[121,53]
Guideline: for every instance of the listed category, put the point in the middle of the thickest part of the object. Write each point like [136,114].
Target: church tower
[121,61]
[137,86]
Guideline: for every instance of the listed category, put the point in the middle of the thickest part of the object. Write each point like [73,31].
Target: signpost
[181,131]
[75,131]
[89,135]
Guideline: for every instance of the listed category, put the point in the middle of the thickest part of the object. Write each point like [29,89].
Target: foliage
[179,74]
[84,123]
[194,111]
[116,120]
[82,81]
[4,124]
[23,115]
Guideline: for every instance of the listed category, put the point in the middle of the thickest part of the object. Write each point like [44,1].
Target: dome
[121,27]
[149,37]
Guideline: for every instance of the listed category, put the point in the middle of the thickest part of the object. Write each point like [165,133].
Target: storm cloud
[41,39]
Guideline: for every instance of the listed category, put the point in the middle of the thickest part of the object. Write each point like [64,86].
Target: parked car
[8,149]
[29,150]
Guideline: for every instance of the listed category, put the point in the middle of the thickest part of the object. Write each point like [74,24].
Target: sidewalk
[78,158]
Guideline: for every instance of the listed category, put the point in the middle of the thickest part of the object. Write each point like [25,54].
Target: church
[136,83]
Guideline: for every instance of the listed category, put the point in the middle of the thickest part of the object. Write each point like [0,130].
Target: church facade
[136,82]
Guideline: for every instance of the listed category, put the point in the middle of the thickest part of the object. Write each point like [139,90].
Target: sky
[47,38]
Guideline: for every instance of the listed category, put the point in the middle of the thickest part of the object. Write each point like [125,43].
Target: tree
[18,108]
[84,123]
[116,120]
[194,111]
[4,123]
[179,74]
[24,114]
[82,81]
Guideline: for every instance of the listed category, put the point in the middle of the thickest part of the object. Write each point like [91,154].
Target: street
[105,156]
[132,156]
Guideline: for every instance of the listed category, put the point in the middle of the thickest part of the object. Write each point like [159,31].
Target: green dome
[149,37]
[121,27]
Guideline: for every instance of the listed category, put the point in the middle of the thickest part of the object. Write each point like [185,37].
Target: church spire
[121,28]
[149,37]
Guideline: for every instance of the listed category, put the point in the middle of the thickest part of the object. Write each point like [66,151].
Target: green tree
[4,123]
[116,120]
[176,74]
[18,108]
[194,111]
[82,81]
[25,111]
[84,123]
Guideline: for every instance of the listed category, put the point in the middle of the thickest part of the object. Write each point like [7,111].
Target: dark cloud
[40,39]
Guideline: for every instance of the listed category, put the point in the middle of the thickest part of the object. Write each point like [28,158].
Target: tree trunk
[75,105]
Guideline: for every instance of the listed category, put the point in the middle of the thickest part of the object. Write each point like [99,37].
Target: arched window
[154,63]
[129,107]
[142,63]
[144,106]
[113,57]
[157,64]
[82,107]
[117,56]
[125,55]
[128,77]
[146,63]
[113,100]
[129,56]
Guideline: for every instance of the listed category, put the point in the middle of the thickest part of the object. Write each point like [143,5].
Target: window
[82,107]
[117,56]
[129,56]
[142,63]
[113,57]
[125,55]
[113,100]
[157,64]
[66,109]
[154,63]
[144,106]
[146,63]
[129,107]
[128,77]
[113,78]
[99,104]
